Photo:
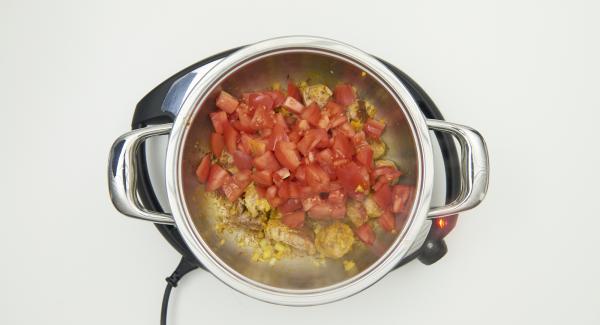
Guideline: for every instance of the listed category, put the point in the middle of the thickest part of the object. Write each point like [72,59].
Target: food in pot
[303,171]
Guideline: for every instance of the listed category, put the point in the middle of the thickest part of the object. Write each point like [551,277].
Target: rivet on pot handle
[122,174]
[474,168]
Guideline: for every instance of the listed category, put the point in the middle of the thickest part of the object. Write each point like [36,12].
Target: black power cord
[184,267]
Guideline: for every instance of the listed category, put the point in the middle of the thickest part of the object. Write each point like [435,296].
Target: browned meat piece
[335,240]
[298,239]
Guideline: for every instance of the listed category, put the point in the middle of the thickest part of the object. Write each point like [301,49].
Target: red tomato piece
[233,187]
[325,157]
[253,146]
[203,169]
[263,118]
[242,160]
[387,172]
[293,91]
[387,221]
[293,219]
[338,211]
[271,192]
[317,178]
[310,201]
[346,129]
[260,100]
[277,96]
[323,122]
[312,114]
[290,205]
[262,177]
[216,178]
[293,105]
[283,173]
[401,195]
[230,136]
[294,190]
[320,211]
[344,94]
[383,196]
[216,143]
[333,109]
[366,234]
[266,161]
[279,133]
[336,197]
[283,190]
[219,120]
[287,155]
[364,155]
[337,121]
[300,173]
[227,102]
[351,176]
[342,147]
[373,128]
[310,140]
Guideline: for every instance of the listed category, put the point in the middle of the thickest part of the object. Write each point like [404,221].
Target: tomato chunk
[401,195]
[277,96]
[216,144]
[287,155]
[342,147]
[266,161]
[383,196]
[344,94]
[320,211]
[230,136]
[293,219]
[219,120]
[373,128]
[366,234]
[364,155]
[216,178]
[333,109]
[293,105]
[227,102]
[310,140]
[262,177]
[290,205]
[263,118]
[317,178]
[293,91]
[203,169]
[233,187]
[312,114]
[352,177]
[260,100]
[242,160]
[387,221]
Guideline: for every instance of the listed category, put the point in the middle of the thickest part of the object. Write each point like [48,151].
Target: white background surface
[523,73]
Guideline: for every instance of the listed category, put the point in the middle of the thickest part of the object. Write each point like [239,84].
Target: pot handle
[474,168]
[122,174]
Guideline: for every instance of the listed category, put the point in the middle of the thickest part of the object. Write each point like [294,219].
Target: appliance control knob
[432,251]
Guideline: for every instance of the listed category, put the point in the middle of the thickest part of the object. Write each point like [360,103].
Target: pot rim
[395,252]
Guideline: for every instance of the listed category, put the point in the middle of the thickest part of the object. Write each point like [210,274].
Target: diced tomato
[262,177]
[293,219]
[227,102]
[366,234]
[277,96]
[253,146]
[230,136]
[242,160]
[401,194]
[219,120]
[216,178]
[216,144]
[383,197]
[334,186]
[261,191]
[287,155]
[294,136]
[344,94]
[380,182]
[277,180]
[310,201]
[203,169]
[336,197]
[387,221]
[325,157]
[312,114]
[283,173]
[278,133]
[333,109]
[323,122]
[294,190]
[302,125]
[233,187]
[283,190]
[293,105]
[271,192]
[373,128]
[293,91]
[290,205]
[387,172]
[300,173]
[352,177]
[310,140]
[338,211]
[244,123]
[337,121]
[263,118]
[317,178]
[260,100]
[346,129]
[320,211]
[266,161]
[342,147]
[364,155]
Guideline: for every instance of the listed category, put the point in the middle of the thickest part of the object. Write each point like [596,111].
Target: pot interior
[299,273]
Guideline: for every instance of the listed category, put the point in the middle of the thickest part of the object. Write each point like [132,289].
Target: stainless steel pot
[297,281]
